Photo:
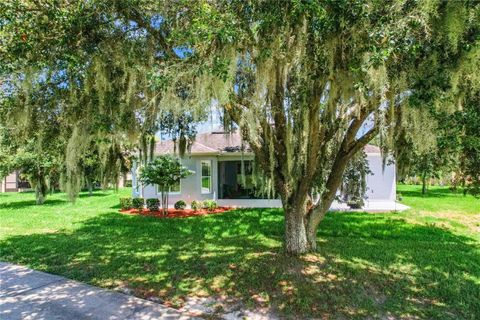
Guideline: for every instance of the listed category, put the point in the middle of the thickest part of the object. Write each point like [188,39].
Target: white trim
[210,164]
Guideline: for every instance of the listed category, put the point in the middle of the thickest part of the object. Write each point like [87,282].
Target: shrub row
[207,204]
[153,204]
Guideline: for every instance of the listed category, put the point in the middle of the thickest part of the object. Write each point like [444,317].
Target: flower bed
[174,213]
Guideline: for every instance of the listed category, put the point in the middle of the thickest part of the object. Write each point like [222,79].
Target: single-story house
[13,183]
[216,159]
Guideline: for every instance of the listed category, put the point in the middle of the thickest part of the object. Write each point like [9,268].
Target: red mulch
[174,213]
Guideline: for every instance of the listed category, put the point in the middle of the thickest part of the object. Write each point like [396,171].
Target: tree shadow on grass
[95,194]
[30,203]
[431,193]
[367,265]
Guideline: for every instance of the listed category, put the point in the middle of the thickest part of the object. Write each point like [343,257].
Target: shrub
[195,205]
[210,205]
[356,203]
[126,203]
[180,205]
[153,204]
[138,203]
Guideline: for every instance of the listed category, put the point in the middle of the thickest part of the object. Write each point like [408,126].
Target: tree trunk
[90,187]
[312,237]
[40,192]
[39,197]
[295,230]
[424,183]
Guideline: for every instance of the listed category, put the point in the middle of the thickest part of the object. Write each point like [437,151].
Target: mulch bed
[174,213]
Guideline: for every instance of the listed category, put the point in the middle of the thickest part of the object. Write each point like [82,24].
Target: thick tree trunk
[295,232]
[40,192]
[312,237]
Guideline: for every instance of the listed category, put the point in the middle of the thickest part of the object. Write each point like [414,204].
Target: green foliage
[153,204]
[164,172]
[138,203]
[196,205]
[180,205]
[300,78]
[181,128]
[354,183]
[126,203]
[210,205]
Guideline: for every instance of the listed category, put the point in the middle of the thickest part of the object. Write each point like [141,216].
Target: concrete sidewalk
[29,294]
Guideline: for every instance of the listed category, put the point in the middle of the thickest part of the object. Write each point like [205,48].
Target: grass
[423,263]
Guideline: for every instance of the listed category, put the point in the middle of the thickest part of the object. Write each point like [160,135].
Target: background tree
[464,128]
[31,141]
[164,172]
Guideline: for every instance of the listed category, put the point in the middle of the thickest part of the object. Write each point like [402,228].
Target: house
[216,159]
[13,183]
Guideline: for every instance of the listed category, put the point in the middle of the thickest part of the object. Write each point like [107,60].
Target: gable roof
[218,142]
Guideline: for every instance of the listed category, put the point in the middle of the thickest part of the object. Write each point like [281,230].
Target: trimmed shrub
[195,205]
[126,203]
[153,204]
[180,205]
[210,205]
[138,203]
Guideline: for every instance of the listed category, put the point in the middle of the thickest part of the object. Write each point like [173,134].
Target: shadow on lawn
[367,265]
[30,203]
[434,192]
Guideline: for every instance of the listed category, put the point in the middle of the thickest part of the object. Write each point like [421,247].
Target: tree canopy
[309,83]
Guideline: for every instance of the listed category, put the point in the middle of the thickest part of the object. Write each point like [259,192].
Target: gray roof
[217,142]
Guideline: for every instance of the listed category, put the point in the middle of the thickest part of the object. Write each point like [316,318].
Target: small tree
[164,171]
[354,185]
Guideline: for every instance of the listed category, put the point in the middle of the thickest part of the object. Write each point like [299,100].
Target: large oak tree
[309,83]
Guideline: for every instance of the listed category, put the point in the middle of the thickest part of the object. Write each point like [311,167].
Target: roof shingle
[217,142]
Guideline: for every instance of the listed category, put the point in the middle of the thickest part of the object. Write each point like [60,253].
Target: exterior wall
[382,183]
[190,187]
[10,183]
[250,203]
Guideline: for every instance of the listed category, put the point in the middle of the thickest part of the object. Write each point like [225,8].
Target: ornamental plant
[180,205]
[196,205]
[138,203]
[153,204]
[164,171]
[210,205]
[126,203]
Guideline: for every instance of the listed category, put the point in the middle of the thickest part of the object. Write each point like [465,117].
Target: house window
[173,189]
[206,176]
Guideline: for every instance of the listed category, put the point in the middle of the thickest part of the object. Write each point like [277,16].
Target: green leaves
[164,171]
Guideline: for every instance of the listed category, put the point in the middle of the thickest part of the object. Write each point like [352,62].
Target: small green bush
[138,203]
[126,203]
[195,205]
[210,205]
[180,205]
[153,204]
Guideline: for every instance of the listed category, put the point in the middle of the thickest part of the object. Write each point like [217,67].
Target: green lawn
[423,263]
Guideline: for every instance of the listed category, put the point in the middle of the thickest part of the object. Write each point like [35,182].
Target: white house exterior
[215,157]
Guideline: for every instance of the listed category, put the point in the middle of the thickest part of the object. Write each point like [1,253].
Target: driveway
[29,294]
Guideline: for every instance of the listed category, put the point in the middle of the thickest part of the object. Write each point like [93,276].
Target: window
[206,176]
[173,189]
